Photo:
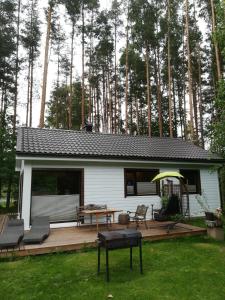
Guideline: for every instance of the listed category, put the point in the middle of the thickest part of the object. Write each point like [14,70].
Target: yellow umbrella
[167,174]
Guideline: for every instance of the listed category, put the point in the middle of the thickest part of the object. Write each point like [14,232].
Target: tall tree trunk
[57,84]
[169,74]
[91,100]
[110,105]
[89,103]
[115,78]
[183,104]
[126,86]
[180,107]
[45,73]
[148,89]
[190,88]
[31,85]
[28,89]
[95,110]
[98,105]
[137,115]
[195,112]
[174,109]
[17,66]
[200,99]
[159,96]
[71,79]
[83,96]
[215,41]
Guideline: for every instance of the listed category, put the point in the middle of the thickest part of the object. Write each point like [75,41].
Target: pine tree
[31,41]
[46,61]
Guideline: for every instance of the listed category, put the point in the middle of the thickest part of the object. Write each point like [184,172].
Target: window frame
[198,183]
[134,170]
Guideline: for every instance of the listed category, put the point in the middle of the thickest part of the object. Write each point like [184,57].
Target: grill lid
[119,234]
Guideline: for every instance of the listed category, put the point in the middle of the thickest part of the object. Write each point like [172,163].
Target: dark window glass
[192,180]
[138,182]
[55,182]
[130,183]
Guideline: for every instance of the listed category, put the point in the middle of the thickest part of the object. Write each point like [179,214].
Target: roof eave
[114,157]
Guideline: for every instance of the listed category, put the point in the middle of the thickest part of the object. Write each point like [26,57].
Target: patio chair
[139,216]
[172,208]
[39,231]
[79,217]
[108,217]
[12,234]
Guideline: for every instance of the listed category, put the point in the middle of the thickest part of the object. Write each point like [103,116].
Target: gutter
[110,160]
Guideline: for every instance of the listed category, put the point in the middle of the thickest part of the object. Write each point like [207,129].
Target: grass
[186,268]
[199,222]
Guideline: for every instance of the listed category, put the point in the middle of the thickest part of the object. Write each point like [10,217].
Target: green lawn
[186,268]
[200,222]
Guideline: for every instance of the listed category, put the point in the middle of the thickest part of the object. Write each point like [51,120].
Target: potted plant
[217,232]
[209,214]
[215,220]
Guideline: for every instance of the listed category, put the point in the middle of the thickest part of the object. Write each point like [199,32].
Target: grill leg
[99,252]
[107,264]
[140,254]
[131,259]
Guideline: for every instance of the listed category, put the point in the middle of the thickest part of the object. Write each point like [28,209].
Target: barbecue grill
[111,240]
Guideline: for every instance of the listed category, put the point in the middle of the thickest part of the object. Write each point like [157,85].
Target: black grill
[111,240]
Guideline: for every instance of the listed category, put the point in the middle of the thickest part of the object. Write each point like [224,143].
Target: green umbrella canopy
[167,174]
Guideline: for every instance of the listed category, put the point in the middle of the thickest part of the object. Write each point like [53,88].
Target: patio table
[100,212]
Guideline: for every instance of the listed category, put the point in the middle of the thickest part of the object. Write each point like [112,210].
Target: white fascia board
[19,165]
[66,159]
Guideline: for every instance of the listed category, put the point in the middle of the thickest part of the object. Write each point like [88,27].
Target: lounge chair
[172,208]
[139,216]
[12,234]
[39,231]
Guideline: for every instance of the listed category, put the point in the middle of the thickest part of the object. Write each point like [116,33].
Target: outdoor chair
[39,231]
[108,217]
[12,234]
[167,213]
[172,208]
[79,217]
[139,216]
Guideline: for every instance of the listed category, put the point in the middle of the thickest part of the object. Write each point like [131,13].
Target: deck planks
[76,238]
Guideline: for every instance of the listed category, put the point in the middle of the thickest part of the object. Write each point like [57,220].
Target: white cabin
[62,169]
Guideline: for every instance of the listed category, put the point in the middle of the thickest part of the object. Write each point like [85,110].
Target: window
[192,180]
[56,193]
[138,182]
[55,182]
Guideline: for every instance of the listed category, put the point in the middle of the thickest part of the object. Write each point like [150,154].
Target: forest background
[138,67]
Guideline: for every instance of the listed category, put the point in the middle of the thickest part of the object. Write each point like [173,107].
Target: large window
[56,194]
[192,180]
[138,182]
[55,182]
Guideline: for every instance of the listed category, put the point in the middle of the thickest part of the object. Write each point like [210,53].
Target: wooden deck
[75,238]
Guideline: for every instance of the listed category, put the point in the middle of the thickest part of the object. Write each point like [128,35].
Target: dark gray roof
[69,143]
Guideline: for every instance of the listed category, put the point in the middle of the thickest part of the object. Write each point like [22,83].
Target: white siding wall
[26,195]
[210,191]
[104,184]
